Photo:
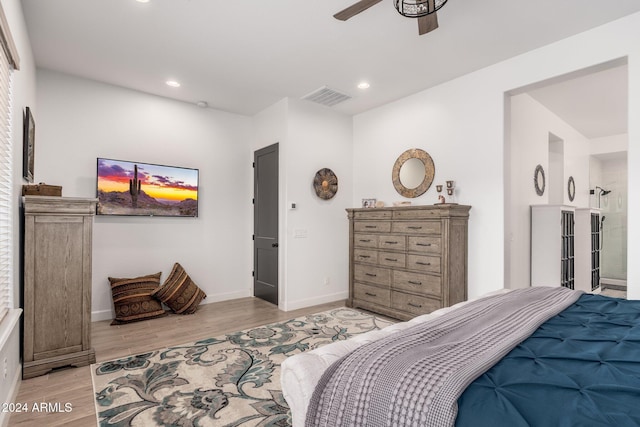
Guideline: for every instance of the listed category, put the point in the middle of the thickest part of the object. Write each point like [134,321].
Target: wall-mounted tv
[135,188]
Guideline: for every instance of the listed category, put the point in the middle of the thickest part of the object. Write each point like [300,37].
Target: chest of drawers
[410,260]
[57,283]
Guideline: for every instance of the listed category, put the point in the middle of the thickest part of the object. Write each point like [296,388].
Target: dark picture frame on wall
[29,140]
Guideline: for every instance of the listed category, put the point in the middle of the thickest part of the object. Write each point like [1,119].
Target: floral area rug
[232,380]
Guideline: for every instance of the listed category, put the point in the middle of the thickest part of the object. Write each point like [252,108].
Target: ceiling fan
[423,10]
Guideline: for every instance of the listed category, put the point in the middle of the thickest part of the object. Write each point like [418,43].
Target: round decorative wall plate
[325,184]
[571,189]
[539,181]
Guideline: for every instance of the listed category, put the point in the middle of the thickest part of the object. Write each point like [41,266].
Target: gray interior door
[265,224]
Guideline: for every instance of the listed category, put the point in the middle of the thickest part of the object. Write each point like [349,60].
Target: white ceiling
[244,55]
[595,104]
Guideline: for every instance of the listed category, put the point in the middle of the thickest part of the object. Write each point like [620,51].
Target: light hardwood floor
[73,385]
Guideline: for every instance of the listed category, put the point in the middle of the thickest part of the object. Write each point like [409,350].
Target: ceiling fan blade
[355,9]
[427,23]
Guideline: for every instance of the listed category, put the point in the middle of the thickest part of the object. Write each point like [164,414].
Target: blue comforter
[580,368]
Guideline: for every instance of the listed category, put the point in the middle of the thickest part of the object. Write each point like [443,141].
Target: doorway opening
[608,181]
[265,223]
[575,127]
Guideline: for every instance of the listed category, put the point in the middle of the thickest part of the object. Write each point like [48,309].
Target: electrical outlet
[5,368]
[327,281]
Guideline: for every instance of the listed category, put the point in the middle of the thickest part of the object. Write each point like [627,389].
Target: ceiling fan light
[417,8]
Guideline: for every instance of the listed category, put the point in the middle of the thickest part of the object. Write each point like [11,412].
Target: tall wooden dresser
[57,283]
[410,260]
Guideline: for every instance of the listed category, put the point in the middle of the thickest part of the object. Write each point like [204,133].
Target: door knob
[274,245]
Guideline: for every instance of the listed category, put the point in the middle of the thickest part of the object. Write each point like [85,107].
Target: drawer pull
[370,226]
[415,283]
[423,244]
[365,256]
[414,227]
[370,274]
[391,243]
[414,305]
[370,294]
[392,259]
[365,240]
[423,263]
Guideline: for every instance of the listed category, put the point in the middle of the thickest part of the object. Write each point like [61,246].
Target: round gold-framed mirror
[413,173]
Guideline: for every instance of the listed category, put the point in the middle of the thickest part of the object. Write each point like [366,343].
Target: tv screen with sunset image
[134,188]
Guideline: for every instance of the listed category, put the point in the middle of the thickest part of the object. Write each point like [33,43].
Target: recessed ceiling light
[172,83]
[363,85]
[142,1]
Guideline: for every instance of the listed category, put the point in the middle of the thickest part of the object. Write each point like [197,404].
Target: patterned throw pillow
[179,292]
[132,298]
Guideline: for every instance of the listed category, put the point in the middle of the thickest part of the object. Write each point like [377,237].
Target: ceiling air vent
[326,96]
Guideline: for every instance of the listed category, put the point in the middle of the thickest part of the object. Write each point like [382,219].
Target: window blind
[8,60]
[5,187]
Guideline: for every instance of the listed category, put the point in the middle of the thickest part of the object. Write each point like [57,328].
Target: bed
[531,357]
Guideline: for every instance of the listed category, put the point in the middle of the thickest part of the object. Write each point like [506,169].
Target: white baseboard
[9,350]
[227,296]
[13,395]
[99,315]
[308,302]
[609,281]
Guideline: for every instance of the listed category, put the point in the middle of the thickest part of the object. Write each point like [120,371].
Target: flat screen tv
[144,189]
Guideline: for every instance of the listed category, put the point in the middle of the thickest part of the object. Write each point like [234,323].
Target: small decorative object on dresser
[451,188]
[369,203]
[407,261]
[42,189]
[441,198]
[325,184]
[57,283]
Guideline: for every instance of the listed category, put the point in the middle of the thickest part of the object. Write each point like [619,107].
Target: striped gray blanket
[415,377]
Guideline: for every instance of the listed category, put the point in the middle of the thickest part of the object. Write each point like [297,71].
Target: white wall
[610,144]
[609,170]
[317,266]
[531,124]
[79,120]
[614,207]
[313,269]
[461,123]
[23,86]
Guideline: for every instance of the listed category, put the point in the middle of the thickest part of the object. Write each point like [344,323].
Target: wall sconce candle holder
[450,189]
[440,196]
[451,192]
